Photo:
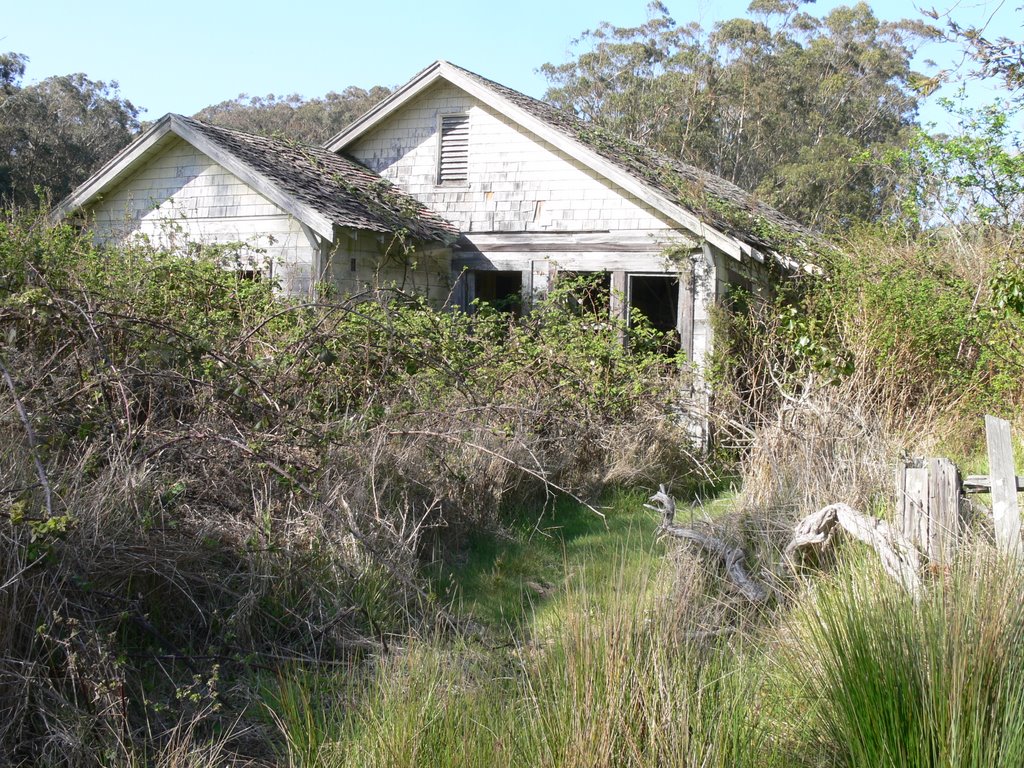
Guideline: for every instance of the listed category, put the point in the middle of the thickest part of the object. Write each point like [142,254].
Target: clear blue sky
[182,56]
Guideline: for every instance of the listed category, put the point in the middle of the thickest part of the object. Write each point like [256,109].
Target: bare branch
[899,557]
[31,437]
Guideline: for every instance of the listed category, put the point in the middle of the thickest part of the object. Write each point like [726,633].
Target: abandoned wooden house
[297,213]
[498,193]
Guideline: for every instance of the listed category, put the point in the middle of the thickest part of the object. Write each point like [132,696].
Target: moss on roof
[340,188]
[720,203]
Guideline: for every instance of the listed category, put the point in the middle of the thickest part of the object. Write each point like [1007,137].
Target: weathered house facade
[297,214]
[498,194]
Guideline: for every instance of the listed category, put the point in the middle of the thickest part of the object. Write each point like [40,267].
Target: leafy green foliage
[784,103]
[916,322]
[237,475]
[976,175]
[54,133]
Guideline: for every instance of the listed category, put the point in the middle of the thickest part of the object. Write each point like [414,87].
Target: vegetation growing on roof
[711,198]
[341,189]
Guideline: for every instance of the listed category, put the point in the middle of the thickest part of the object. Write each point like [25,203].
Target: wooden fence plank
[982,484]
[928,509]
[1003,475]
[902,516]
[944,514]
[917,506]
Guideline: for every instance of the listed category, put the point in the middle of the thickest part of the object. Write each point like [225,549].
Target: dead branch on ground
[899,557]
[733,558]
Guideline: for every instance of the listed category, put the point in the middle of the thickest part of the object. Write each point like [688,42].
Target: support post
[686,298]
[929,512]
[1005,509]
[617,301]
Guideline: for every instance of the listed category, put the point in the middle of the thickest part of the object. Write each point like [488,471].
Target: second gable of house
[181,197]
[514,181]
[299,215]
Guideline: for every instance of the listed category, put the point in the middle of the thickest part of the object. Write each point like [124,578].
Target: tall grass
[620,691]
[936,682]
[611,682]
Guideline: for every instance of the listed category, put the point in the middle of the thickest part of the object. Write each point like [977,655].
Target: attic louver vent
[453,157]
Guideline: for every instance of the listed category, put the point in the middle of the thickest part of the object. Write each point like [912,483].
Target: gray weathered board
[928,506]
[1003,480]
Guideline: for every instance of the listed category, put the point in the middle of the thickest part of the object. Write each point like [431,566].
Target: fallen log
[732,557]
[899,557]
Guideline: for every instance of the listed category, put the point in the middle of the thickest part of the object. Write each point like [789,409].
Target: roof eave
[419,82]
[113,170]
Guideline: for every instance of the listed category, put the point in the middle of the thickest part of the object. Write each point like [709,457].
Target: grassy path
[573,664]
[525,575]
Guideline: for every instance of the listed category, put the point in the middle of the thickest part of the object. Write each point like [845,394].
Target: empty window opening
[502,290]
[249,275]
[737,292]
[453,150]
[588,292]
[656,297]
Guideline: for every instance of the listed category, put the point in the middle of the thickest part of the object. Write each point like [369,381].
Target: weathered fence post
[1003,479]
[928,506]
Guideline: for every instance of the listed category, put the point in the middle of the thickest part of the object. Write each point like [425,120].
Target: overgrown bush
[900,329]
[203,476]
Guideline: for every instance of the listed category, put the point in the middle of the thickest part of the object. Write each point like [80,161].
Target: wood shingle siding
[182,197]
[288,208]
[516,182]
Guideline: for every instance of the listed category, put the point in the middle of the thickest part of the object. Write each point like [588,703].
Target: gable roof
[715,209]
[320,189]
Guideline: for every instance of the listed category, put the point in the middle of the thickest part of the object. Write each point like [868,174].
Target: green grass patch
[608,684]
[522,573]
[929,682]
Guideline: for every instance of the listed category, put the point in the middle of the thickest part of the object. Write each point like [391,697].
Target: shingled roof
[320,188]
[713,208]
[348,193]
[721,203]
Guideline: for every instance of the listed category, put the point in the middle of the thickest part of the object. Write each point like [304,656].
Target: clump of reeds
[934,681]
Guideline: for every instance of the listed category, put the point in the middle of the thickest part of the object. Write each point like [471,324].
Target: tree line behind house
[816,114]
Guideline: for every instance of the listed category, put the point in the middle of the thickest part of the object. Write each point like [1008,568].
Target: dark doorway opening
[503,290]
[656,297]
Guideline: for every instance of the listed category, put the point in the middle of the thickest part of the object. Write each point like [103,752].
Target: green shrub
[230,474]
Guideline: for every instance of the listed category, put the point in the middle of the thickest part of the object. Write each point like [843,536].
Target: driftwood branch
[732,557]
[899,557]
[663,504]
